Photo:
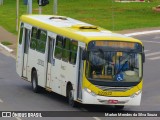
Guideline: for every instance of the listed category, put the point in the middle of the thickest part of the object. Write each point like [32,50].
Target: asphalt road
[16,94]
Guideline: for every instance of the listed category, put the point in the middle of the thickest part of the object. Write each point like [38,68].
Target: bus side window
[21,33]
[73,55]
[59,47]
[41,40]
[66,49]
[33,43]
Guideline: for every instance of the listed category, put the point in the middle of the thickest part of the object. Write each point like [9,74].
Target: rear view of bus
[113,73]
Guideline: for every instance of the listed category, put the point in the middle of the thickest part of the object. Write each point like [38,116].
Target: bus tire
[70,96]
[119,107]
[34,81]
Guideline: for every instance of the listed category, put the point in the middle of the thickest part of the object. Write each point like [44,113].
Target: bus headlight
[89,91]
[136,94]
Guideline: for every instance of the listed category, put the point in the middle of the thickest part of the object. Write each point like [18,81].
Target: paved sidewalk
[7,36]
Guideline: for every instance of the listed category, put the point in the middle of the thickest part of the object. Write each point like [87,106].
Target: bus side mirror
[143,57]
[85,55]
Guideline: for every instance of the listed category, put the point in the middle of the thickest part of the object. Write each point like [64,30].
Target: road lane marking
[18,118]
[151,54]
[150,41]
[96,118]
[83,109]
[142,33]
[1,101]
[146,50]
[157,37]
[154,58]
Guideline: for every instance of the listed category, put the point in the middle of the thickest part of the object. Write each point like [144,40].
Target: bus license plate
[112,101]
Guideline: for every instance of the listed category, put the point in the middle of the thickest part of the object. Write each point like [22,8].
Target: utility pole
[113,16]
[42,3]
[40,10]
[55,7]
[40,7]
[1,2]
[17,15]
[29,6]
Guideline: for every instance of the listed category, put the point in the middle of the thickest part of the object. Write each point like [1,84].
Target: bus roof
[72,28]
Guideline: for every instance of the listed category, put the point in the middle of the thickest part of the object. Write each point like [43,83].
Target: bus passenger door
[26,47]
[20,51]
[50,61]
[80,74]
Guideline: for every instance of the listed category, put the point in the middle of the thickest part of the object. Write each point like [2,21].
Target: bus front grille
[104,88]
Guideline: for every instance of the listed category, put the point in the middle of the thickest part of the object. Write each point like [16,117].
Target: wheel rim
[34,83]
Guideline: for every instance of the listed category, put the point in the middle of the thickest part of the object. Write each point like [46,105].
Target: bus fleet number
[102,93]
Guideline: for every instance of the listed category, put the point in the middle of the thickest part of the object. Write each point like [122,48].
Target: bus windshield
[114,63]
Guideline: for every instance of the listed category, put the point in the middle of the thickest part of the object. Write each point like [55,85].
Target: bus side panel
[31,62]
[62,73]
[41,67]
[37,60]
[56,76]
[69,74]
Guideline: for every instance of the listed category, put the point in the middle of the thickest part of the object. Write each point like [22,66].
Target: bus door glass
[50,61]
[26,47]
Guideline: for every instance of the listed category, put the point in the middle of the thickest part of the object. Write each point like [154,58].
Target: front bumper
[88,98]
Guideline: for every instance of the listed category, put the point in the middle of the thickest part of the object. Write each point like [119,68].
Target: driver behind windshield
[97,61]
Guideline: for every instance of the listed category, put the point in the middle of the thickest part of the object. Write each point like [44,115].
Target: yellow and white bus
[83,62]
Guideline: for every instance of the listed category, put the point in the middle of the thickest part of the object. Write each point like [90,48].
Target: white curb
[6,48]
[142,33]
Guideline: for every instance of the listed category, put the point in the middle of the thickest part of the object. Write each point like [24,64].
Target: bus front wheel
[70,96]
[35,86]
[119,107]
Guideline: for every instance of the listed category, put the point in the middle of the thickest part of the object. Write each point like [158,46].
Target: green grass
[6,43]
[103,13]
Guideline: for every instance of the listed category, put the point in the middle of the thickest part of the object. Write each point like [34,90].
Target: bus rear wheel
[34,81]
